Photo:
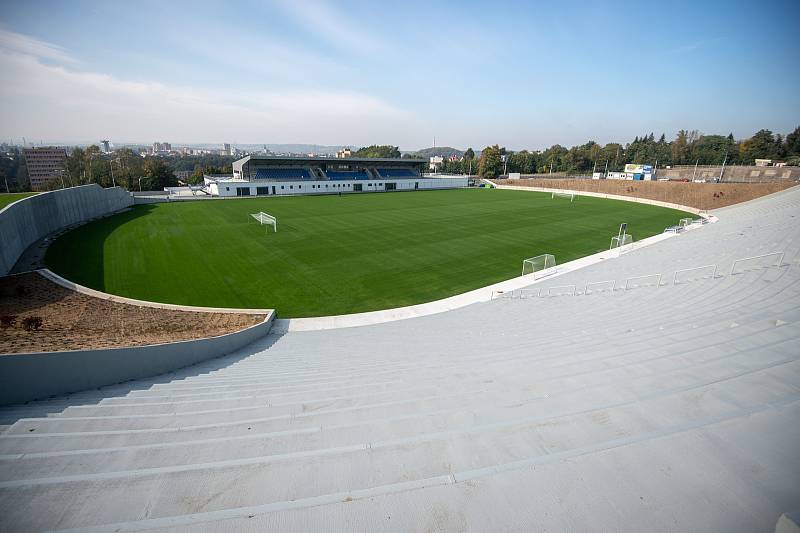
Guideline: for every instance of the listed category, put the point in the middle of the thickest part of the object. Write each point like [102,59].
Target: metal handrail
[675,275]
[778,263]
[658,282]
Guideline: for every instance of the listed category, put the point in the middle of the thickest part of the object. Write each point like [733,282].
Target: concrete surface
[669,408]
[32,376]
[24,222]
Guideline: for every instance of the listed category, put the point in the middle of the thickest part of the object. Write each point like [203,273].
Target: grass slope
[337,255]
[8,198]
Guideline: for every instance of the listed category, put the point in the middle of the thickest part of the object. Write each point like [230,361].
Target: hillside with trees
[384,150]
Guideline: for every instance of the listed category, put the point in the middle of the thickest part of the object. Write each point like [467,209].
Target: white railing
[657,278]
[778,263]
[569,293]
[613,283]
[532,293]
[681,271]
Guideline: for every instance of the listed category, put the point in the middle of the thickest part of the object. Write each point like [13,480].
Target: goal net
[266,219]
[621,240]
[538,264]
[569,195]
[685,222]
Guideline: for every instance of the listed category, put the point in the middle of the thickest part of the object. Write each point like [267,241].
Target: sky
[525,75]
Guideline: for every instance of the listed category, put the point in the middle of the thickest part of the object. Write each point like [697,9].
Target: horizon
[315,73]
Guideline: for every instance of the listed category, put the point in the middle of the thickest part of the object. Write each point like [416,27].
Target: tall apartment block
[43,165]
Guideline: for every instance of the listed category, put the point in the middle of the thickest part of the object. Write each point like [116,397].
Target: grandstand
[665,407]
[255,175]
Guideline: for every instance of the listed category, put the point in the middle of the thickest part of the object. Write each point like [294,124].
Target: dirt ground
[75,321]
[705,196]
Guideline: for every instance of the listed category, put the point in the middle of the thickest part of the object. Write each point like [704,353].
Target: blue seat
[283,174]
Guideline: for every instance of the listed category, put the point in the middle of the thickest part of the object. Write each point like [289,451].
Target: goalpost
[620,241]
[623,238]
[569,195]
[538,264]
[266,219]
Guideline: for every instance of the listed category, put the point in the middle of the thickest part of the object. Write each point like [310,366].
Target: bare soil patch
[699,195]
[74,321]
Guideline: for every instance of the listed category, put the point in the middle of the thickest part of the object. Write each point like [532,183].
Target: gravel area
[699,195]
[75,321]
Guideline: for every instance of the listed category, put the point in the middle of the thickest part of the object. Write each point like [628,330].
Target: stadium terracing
[666,405]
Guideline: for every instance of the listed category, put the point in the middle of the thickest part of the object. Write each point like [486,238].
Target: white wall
[336,186]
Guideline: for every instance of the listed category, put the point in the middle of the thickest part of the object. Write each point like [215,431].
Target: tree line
[688,148]
[128,169]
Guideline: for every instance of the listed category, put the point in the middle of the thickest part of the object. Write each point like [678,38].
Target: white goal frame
[621,240]
[570,195]
[266,219]
[538,263]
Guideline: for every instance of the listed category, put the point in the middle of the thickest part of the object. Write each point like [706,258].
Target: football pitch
[338,254]
[9,198]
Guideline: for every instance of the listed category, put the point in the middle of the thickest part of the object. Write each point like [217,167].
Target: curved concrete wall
[26,221]
[32,376]
[634,199]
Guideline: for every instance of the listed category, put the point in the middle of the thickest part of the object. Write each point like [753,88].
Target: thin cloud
[24,44]
[90,105]
[321,21]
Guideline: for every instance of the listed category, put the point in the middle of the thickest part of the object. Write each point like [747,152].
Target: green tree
[385,150]
[490,164]
[793,142]
[760,146]
[157,175]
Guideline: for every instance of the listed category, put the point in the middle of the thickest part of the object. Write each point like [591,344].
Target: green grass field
[7,198]
[337,255]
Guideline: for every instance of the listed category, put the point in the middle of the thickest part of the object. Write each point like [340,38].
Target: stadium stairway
[670,408]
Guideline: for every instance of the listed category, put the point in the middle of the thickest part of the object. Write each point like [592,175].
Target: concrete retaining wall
[24,222]
[31,376]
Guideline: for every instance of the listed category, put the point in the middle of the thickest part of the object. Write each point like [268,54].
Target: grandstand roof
[312,160]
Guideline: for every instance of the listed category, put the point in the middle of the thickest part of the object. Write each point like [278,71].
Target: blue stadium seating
[398,173]
[283,174]
[347,174]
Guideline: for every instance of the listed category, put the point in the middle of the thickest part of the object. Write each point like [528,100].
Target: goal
[685,222]
[569,195]
[264,218]
[621,240]
[532,265]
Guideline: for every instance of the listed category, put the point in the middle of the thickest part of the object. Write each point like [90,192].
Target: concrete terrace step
[676,403]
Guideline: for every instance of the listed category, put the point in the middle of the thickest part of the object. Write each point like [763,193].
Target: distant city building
[226,149]
[161,148]
[106,146]
[343,153]
[44,165]
[435,162]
